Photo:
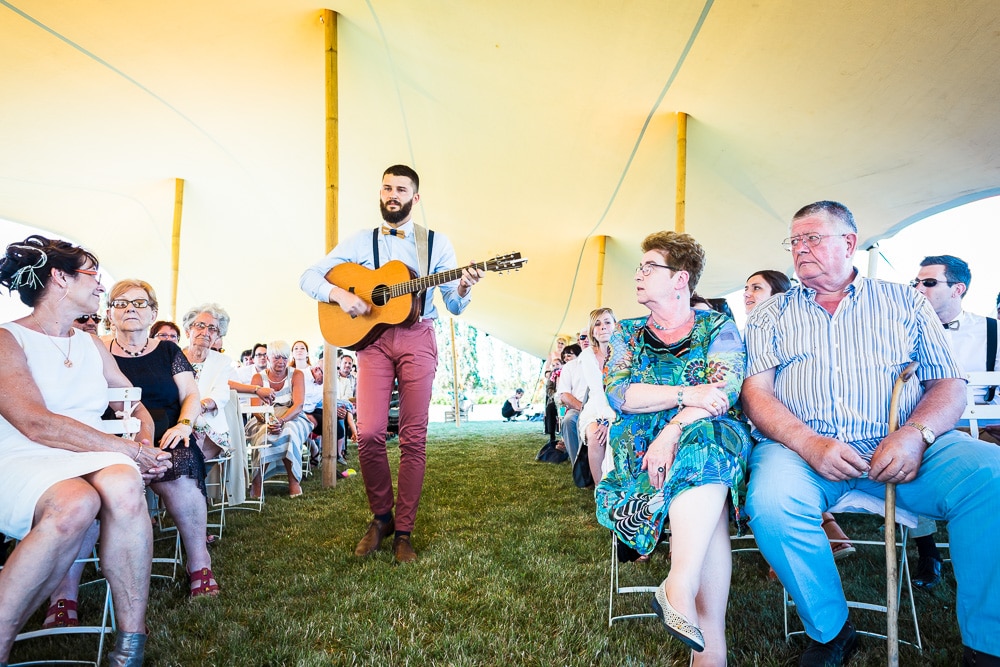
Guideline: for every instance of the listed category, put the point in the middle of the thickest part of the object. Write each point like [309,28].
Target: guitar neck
[433,280]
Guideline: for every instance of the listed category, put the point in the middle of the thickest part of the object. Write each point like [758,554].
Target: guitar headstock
[509,262]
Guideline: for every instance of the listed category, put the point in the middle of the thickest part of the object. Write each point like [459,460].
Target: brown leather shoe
[403,550]
[377,531]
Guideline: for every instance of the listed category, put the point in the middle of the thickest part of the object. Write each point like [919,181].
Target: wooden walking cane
[892,573]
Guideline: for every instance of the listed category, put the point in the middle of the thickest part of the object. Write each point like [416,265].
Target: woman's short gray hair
[279,348]
[213,309]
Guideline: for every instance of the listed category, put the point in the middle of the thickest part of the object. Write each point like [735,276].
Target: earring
[678,296]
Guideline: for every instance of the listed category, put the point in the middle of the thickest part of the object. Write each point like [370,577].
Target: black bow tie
[952,325]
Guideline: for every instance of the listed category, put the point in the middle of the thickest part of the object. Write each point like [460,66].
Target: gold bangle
[138,452]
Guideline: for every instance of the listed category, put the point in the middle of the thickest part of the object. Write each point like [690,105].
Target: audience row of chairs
[228,479]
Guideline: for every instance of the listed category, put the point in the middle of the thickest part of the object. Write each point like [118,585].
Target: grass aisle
[513,570]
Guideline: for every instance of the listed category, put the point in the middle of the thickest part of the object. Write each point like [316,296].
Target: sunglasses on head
[83,319]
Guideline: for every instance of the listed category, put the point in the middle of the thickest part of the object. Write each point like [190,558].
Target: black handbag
[549,454]
[582,476]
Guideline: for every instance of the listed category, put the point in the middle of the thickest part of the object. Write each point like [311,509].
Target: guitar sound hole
[380,295]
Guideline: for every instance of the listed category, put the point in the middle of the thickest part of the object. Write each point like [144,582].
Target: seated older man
[822,361]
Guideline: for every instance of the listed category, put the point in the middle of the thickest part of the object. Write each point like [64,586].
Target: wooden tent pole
[454,375]
[602,249]
[175,244]
[329,18]
[681,196]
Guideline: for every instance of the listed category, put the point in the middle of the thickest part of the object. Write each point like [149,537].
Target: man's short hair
[403,170]
[955,269]
[518,391]
[832,208]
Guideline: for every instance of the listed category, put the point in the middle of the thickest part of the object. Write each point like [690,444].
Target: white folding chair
[857,502]
[124,424]
[976,413]
[106,626]
[249,412]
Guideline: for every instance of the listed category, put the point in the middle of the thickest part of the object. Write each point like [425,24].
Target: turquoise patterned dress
[710,451]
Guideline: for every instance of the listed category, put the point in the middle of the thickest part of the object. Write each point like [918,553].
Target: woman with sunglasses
[170,393]
[59,470]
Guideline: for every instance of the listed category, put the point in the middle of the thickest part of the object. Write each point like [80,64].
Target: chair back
[125,424]
[975,413]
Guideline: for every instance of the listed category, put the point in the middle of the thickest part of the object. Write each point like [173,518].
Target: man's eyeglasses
[201,326]
[648,267]
[167,335]
[122,304]
[260,354]
[811,240]
[83,319]
[930,282]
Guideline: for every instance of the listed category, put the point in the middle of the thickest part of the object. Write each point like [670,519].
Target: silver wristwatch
[925,433]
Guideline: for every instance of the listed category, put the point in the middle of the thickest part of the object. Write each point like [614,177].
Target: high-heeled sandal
[203,583]
[60,615]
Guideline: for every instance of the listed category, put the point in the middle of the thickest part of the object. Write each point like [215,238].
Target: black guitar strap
[430,253]
[991,353]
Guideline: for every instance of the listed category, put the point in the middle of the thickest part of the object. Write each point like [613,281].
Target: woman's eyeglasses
[83,319]
[91,272]
[648,267]
[167,335]
[122,304]
[201,326]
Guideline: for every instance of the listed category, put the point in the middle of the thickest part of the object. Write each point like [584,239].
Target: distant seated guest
[212,370]
[571,390]
[283,438]
[347,382]
[87,323]
[164,330]
[512,408]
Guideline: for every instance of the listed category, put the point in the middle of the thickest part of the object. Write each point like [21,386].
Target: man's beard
[395,217]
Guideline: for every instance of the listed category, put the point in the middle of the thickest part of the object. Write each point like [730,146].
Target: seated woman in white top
[213,371]
[58,469]
[596,413]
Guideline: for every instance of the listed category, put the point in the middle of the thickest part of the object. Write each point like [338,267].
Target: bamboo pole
[329,18]
[681,196]
[602,249]
[891,570]
[454,375]
[175,245]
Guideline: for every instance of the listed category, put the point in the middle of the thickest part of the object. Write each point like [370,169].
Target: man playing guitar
[403,354]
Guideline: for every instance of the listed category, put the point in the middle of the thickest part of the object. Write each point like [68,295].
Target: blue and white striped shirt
[836,372]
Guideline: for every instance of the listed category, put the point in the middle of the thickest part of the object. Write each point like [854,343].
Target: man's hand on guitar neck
[350,303]
[470,276]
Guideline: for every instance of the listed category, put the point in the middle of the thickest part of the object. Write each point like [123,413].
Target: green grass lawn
[513,570]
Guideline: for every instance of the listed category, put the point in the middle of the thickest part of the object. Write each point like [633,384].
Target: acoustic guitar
[395,294]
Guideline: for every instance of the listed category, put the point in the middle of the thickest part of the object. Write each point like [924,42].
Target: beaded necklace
[129,352]
[656,326]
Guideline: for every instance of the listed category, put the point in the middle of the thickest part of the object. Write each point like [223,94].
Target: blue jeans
[570,434]
[958,482]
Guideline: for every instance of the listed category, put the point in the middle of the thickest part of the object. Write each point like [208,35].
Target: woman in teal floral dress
[680,442]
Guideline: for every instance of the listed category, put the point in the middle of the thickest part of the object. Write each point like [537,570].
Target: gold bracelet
[138,452]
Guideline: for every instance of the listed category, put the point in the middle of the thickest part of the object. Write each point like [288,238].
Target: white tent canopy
[534,126]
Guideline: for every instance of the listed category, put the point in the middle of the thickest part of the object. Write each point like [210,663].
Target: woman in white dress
[283,438]
[213,370]
[58,469]
[596,413]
